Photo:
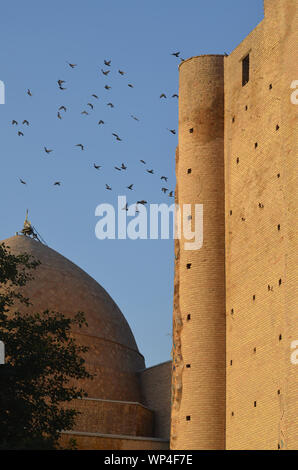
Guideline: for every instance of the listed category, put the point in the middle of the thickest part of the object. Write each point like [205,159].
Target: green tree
[43,362]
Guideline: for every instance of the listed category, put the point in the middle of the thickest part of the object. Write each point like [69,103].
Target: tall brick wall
[156,394]
[198,394]
[260,182]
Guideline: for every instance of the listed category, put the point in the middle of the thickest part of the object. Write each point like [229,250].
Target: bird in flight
[130,187]
[164,178]
[107,87]
[60,82]
[107,63]
[150,171]
[20,133]
[96,166]
[22,181]
[80,145]
[117,168]
[108,187]
[57,183]
[47,150]
[171,194]
[163,95]
[125,208]
[95,96]
[100,122]
[90,105]
[62,88]
[172,131]
[59,115]
[164,190]
[176,54]
[111,105]
[72,65]
[123,167]
[175,95]
[84,112]
[62,108]
[117,137]
[142,161]
[134,117]
[130,85]
[105,72]
[25,122]
[29,92]
[121,72]
[14,122]
[142,202]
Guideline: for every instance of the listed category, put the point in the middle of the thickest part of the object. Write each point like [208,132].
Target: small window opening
[256,145]
[261,206]
[188,317]
[278,175]
[232,413]
[270,86]
[246,108]
[232,311]
[233,119]
[280,337]
[188,366]
[189,170]
[278,227]
[280,282]
[188,266]
[245,70]
[187,418]
[253,297]
[277,127]
[231,212]
[278,392]
[255,350]
[255,404]
[237,160]
[191,130]
[231,362]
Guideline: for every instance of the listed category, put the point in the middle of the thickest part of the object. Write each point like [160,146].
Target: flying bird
[59,115]
[84,112]
[25,122]
[22,181]
[60,82]
[176,54]
[72,65]
[57,183]
[171,194]
[20,133]
[108,187]
[121,72]
[111,105]
[175,95]
[95,96]
[117,137]
[163,95]
[107,87]
[47,150]
[130,187]
[96,166]
[142,202]
[62,88]
[100,122]
[172,131]
[62,108]
[164,190]
[14,122]
[142,161]
[164,178]
[123,167]
[29,92]
[90,105]
[105,72]
[125,208]
[130,85]
[134,117]
[117,168]
[80,145]
[150,171]
[107,62]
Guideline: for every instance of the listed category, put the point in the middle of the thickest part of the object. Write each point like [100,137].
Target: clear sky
[37,40]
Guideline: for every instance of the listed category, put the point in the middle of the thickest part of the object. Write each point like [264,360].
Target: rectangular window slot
[245,70]
[188,266]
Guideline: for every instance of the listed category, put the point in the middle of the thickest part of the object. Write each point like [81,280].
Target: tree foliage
[43,362]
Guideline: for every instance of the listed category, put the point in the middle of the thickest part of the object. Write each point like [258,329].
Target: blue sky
[38,38]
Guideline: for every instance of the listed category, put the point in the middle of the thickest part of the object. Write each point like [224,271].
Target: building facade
[235,302]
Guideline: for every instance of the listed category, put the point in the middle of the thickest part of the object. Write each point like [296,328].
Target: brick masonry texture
[254,405]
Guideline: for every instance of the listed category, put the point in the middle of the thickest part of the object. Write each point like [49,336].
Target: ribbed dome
[61,286]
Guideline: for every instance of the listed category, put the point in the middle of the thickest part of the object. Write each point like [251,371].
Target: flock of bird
[90,106]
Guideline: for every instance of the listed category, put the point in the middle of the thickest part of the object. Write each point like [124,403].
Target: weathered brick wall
[260,188]
[89,441]
[113,417]
[198,408]
[156,394]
